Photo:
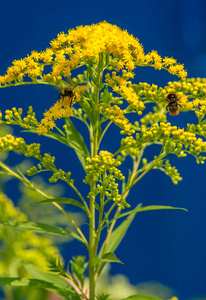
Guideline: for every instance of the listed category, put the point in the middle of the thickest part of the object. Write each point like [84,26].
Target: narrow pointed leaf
[148,208]
[64,293]
[49,277]
[61,200]
[88,108]
[91,74]
[42,228]
[76,142]
[106,95]
[116,238]
[119,233]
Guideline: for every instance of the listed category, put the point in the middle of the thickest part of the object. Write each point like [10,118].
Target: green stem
[92,247]
[38,81]
[134,171]
[109,232]
[94,135]
[124,195]
[81,197]
[103,133]
[101,211]
[152,165]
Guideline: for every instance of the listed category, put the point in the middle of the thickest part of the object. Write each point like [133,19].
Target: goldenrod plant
[93,67]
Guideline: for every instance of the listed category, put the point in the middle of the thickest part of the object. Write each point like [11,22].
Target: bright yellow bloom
[59,110]
[86,44]
[47,56]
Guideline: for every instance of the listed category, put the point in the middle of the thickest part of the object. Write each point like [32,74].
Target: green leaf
[55,279]
[115,238]
[110,257]
[106,95]
[140,297]
[88,108]
[91,73]
[119,233]
[76,142]
[60,200]
[64,293]
[42,228]
[148,208]
[107,257]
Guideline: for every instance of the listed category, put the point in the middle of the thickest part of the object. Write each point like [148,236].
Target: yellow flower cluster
[191,93]
[116,115]
[120,86]
[59,110]
[169,63]
[132,98]
[25,245]
[62,108]
[86,44]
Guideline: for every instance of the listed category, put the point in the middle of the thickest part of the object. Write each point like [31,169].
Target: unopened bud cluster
[47,164]
[9,143]
[174,140]
[149,93]
[62,175]
[172,172]
[102,169]
[14,116]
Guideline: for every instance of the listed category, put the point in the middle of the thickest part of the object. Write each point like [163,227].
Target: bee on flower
[173,106]
[67,91]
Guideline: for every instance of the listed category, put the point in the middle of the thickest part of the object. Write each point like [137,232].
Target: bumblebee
[67,91]
[173,106]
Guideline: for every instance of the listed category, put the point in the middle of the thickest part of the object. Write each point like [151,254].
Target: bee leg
[72,100]
[167,107]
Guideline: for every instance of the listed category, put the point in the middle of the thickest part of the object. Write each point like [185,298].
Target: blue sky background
[168,246]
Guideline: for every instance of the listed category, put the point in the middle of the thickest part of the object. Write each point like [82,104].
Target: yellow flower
[59,110]
[84,45]
[167,61]
[46,56]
